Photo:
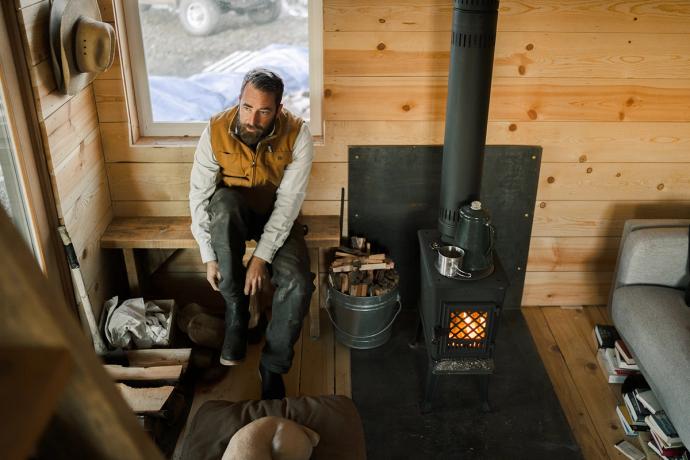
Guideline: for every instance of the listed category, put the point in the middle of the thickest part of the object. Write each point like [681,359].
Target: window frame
[32,178]
[139,100]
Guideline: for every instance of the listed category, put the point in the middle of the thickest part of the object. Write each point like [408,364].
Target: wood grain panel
[107,13]
[566,288]
[67,128]
[95,263]
[579,254]
[88,209]
[612,181]
[117,147]
[423,98]
[568,395]
[318,378]
[34,19]
[110,100]
[670,16]
[181,208]
[526,54]
[591,142]
[46,95]
[170,181]
[586,374]
[72,175]
[598,218]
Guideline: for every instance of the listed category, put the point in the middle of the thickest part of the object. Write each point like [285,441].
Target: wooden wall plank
[517,54]
[68,126]
[566,288]
[613,181]
[46,95]
[71,176]
[558,181]
[578,254]
[514,15]
[566,390]
[181,208]
[599,218]
[170,181]
[591,142]
[107,13]
[512,99]
[35,19]
[92,202]
[110,100]
[117,147]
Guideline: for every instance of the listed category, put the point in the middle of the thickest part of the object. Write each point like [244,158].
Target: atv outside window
[188,58]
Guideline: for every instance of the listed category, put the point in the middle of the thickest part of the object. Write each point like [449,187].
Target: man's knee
[225,201]
[298,283]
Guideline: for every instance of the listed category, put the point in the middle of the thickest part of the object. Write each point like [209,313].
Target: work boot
[234,348]
[272,386]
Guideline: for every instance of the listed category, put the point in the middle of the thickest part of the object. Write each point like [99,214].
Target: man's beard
[252,138]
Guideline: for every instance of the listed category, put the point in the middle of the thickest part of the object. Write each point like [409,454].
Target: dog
[272,438]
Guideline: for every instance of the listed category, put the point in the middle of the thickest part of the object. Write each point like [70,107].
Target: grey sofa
[647,305]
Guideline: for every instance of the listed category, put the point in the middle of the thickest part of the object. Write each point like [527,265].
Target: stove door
[467,330]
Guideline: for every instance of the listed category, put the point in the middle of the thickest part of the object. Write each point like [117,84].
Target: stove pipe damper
[473,41]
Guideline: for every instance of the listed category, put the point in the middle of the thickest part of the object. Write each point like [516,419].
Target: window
[188,58]
[11,194]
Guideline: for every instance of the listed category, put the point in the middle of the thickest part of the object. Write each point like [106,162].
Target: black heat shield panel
[394,191]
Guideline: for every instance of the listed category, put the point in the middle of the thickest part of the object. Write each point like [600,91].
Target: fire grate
[467,329]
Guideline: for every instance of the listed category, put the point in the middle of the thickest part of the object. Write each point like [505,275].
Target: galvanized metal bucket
[362,322]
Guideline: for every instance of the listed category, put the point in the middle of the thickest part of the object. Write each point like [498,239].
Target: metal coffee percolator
[475,234]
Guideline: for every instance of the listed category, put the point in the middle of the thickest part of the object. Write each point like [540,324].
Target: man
[248,181]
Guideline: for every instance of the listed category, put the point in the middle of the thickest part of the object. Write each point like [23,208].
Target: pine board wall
[74,153]
[602,85]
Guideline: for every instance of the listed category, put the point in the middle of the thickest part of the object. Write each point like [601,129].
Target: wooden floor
[564,339]
[320,367]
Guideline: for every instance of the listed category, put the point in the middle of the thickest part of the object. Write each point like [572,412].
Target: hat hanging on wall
[81,44]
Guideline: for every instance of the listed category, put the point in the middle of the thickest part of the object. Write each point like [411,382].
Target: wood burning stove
[459,320]
[459,316]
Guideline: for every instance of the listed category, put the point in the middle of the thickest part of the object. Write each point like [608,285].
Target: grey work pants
[232,223]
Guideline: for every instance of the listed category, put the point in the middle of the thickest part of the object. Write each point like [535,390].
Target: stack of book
[665,441]
[642,416]
[633,412]
[615,359]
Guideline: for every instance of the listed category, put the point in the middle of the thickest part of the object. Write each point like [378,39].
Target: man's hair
[266,81]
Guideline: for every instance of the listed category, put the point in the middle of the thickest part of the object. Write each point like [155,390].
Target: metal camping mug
[449,261]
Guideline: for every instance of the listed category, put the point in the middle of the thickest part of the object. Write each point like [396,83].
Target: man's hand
[257,276]
[213,274]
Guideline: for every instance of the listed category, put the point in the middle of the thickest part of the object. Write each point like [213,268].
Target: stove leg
[429,390]
[419,334]
[484,393]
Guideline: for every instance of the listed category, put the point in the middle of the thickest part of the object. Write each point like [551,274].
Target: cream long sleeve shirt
[289,196]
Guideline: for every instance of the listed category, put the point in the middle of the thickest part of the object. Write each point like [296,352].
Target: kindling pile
[357,272]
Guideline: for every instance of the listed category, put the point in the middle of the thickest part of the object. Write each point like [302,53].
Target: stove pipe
[467,109]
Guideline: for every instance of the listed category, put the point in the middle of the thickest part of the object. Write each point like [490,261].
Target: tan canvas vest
[257,174]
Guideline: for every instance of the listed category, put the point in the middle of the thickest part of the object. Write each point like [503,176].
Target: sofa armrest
[654,255]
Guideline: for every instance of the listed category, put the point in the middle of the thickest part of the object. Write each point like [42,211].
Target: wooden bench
[171,233]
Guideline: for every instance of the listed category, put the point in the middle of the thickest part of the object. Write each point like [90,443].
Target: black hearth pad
[526,422]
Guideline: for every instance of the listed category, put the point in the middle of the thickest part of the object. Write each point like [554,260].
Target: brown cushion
[334,418]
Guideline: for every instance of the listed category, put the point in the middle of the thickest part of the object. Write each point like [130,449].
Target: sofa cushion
[655,255]
[334,418]
[655,323]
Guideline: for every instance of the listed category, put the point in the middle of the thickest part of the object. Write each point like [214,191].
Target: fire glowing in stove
[467,329]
